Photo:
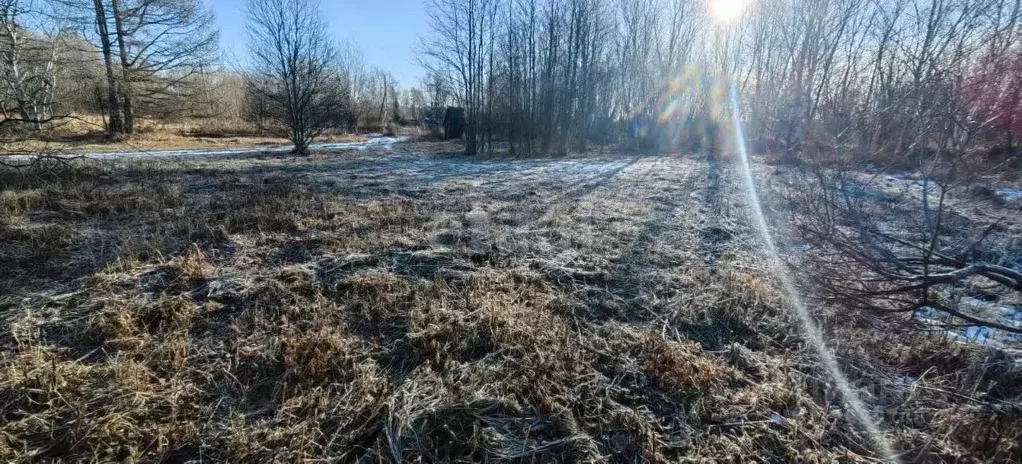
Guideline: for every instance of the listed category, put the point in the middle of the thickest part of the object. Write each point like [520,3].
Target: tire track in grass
[624,223]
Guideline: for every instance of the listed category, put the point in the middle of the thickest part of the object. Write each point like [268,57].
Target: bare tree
[115,125]
[415,104]
[29,64]
[913,254]
[436,90]
[905,259]
[163,46]
[154,52]
[367,89]
[294,66]
[459,48]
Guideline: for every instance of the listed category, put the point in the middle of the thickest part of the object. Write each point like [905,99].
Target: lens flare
[798,307]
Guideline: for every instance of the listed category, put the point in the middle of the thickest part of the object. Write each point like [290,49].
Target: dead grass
[86,133]
[372,306]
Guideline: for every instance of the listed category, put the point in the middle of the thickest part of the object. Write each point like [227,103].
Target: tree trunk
[129,112]
[116,125]
[383,104]
[301,145]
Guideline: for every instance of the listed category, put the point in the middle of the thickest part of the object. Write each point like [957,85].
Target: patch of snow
[929,312]
[376,142]
[1009,194]
[904,175]
[975,303]
[978,334]
[905,380]
[1007,315]
[801,248]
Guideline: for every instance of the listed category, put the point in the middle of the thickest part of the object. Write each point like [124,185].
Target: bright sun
[726,10]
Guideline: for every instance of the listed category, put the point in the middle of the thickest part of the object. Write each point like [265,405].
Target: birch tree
[29,64]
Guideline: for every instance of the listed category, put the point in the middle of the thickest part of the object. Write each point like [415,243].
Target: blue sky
[387,30]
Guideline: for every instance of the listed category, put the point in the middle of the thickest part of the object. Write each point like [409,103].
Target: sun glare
[726,10]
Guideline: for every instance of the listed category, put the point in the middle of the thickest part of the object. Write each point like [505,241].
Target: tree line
[115,57]
[900,79]
[893,77]
[159,59]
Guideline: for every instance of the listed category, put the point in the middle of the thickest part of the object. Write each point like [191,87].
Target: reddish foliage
[996,93]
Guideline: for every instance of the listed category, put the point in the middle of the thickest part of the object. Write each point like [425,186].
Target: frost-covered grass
[416,304]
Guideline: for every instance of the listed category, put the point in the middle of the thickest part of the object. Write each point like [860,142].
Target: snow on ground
[375,141]
[411,172]
[1009,194]
[1006,314]
[906,180]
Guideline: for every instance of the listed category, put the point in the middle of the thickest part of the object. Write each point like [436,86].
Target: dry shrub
[291,296]
[90,189]
[123,319]
[961,398]
[120,323]
[499,311]
[101,201]
[478,430]
[112,323]
[337,420]
[118,410]
[220,127]
[313,356]
[194,264]
[43,237]
[272,204]
[378,304]
[29,248]
[16,203]
[681,368]
[376,217]
[516,378]
[440,333]
[927,352]
[730,306]
[327,396]
[51,210]
[300,281]
[168,314]
[324,356]
[997,434]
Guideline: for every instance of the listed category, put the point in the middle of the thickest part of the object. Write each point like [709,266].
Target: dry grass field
[417,305]
[86,134]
